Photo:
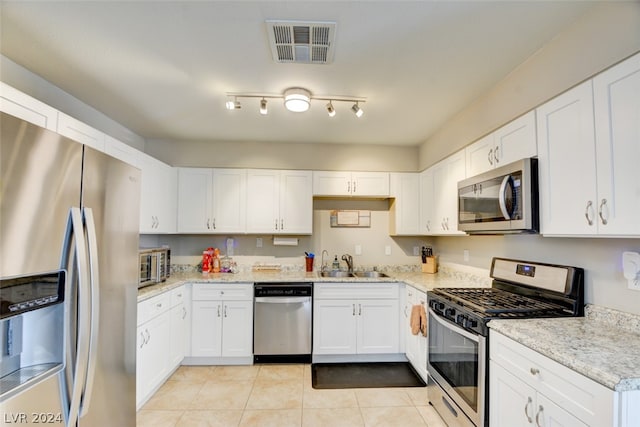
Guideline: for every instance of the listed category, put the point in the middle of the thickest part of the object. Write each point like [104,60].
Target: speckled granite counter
[447,277]
[604,345]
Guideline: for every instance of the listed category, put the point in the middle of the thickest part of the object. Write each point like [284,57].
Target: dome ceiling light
[297,100]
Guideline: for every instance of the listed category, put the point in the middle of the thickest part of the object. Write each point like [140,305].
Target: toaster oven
[155,265]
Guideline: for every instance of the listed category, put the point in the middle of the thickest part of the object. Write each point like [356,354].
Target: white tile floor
[279,396]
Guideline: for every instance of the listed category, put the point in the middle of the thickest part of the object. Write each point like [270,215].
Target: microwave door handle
[501,198]
[95,309]
[158,256]
[74,378]
[456,329]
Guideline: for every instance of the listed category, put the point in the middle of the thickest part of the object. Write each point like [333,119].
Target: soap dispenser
[336,264]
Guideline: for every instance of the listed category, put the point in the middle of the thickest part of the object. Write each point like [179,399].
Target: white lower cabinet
[222,323]
[415,345]
[353,319]
[529,389]
[161,330]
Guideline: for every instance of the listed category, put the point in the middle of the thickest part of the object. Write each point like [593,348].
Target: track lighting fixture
[330,110]
[296,99]
[263,107]
[357,110]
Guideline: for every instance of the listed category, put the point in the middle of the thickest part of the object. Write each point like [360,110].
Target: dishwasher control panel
[283,289]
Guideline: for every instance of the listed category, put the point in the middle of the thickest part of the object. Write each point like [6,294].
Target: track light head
[233,105]
[357,110]
[263,107]
[330,110]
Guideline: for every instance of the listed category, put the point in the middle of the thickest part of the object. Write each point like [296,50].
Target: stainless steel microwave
[500,201]
[155,266]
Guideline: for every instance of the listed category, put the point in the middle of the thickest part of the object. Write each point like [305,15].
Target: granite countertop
[447,277]
[603,346]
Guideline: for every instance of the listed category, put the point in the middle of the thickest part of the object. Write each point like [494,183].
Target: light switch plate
[387,250]
[631,269]
[258,242]
[416,250]
[358,250]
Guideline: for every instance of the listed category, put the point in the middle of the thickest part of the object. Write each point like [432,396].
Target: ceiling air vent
[302,42]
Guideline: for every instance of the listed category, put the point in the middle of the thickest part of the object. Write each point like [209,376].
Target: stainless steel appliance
[155,266]
[502,200]
[282,322]
[458,362]
[69,221]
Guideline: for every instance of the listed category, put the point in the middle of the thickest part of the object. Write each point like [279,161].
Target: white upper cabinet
[446,175]
[588,179]
[158,196]
[81,132]
[513,141]
[617,112]
[121,151]
[404,208]
[427,222]
[360,184]
[279,201]
[211,200]
[20,105]
[229,200]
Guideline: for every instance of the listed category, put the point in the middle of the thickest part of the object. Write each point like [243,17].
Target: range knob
[450,313]
[470,323]
[461,319]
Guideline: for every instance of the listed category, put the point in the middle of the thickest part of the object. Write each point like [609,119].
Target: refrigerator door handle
[94,317]
[72,393]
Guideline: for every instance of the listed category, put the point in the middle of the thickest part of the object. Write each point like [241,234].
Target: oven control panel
[466,319]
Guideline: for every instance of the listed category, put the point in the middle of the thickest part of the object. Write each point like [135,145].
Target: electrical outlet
[387,250]
[358,250]
[631,269]
[416,250]
[465,255]
[258,242]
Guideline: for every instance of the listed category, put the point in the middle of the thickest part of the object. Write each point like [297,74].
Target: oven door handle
[281,300]
[456,329]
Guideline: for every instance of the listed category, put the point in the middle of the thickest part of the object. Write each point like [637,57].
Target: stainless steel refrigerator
[69,218]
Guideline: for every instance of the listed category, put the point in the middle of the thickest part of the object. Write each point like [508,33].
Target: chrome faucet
[323,266]
[349,260]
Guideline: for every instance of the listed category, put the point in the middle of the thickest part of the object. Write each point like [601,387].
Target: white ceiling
[163,68]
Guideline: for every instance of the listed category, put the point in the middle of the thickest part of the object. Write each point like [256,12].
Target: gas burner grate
[492,301]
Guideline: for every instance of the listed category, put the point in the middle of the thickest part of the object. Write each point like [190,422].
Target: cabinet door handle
[586,212]
[490,157]
[148,336]
[354,187]
[540,410]
[208,224]
[496,155]
[214,223]
[429,225]
[281,224]
[218,310]
[184,312]
[353,313]
[526,410]
[349,187]
[144,341]
[534,371]
[603,204]
[225,311]
[359,309]
[276,223]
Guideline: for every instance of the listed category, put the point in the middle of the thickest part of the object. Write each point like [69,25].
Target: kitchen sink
[370,274]
[336,274]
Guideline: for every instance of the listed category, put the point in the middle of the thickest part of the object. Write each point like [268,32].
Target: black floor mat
[364,375]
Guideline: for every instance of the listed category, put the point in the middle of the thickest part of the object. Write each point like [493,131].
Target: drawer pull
[526,410]
[534,371]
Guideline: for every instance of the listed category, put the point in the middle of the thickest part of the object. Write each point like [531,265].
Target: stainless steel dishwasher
[282,322]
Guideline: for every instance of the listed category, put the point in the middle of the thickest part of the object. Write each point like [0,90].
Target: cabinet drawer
[176,296]
[356,291]
[224,292]
[153,307]
[589,401]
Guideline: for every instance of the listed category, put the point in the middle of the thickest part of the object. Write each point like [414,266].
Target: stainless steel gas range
[458,334]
